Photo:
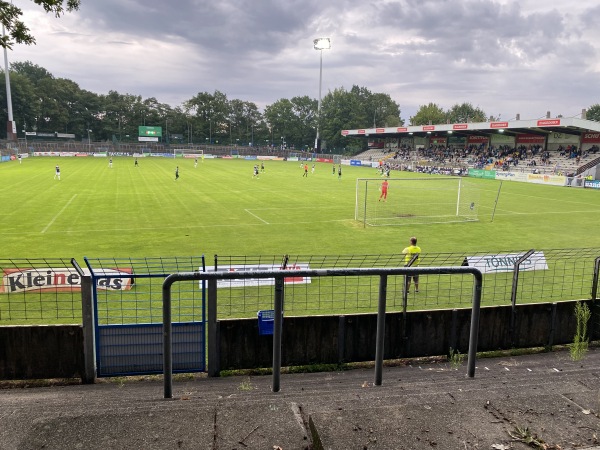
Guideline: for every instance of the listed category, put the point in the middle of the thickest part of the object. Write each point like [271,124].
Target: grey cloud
[224,29]
[480,32]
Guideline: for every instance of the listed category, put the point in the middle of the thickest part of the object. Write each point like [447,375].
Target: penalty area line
[254,215]
[59,213]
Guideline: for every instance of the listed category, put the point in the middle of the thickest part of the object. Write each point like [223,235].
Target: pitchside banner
[481,173]
[593,184]
[506,262]
[246,282]
[555,180]
[511,176]
[60,280]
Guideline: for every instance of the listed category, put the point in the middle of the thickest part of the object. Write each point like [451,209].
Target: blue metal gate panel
[128,316]
[138,349]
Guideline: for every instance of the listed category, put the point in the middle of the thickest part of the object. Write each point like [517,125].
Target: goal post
[416,201]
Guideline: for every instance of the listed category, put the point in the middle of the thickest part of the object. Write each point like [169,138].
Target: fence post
[214,356]
[341,339]
[405,305]
[474,332]
[87,315]
[595,280]
[380,341]
[277,326]
[167,339]
[513,294]
[596,328]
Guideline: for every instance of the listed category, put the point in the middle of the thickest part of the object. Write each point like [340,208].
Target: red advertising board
[401,129]
[438,140]
[460,126]
[379,130]
[345,132]
[591,138]
[498,124]
[429,128]
[530,139]
[548,122]
[477,140]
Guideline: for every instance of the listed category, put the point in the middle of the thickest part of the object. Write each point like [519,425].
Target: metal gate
[128,328]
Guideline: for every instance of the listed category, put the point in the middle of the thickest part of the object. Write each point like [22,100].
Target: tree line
[46,104]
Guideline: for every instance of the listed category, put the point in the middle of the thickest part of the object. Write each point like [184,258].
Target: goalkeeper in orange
[384,190]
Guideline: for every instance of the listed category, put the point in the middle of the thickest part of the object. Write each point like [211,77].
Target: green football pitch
[220,208]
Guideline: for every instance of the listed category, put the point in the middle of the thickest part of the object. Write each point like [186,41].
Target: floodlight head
[322,44]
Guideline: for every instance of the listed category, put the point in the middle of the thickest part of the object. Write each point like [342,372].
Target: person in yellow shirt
[410,252]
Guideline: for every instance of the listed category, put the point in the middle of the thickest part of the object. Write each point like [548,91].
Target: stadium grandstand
[558,146]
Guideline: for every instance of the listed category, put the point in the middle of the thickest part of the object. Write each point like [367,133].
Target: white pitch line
[254,215]
[59,213]
[508,212]
[185,227]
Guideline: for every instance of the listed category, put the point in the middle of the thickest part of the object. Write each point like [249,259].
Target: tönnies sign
[57,280]
[245,282]
[506,262]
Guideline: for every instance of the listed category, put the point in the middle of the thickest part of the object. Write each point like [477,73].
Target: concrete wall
[351,338]
[29,352]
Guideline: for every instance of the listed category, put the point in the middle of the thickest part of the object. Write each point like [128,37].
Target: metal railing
[569,274]
[278,300]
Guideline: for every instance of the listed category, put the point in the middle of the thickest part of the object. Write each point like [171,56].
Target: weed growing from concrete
[246,385]
[456,358]
[579,347]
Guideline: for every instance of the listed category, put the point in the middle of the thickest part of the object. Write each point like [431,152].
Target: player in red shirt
[384,189]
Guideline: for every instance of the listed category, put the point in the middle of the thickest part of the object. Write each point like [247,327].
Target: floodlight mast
[320,44]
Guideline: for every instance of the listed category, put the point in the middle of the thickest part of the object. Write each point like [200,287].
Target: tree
[428,114]
[211,114]
[593,113]
[17,31]
[465,113]
[342,109]
[386,112]
[281,119]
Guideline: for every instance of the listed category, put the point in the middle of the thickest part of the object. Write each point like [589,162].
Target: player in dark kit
[176,173]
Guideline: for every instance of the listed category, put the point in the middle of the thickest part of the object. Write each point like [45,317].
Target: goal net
[415,201]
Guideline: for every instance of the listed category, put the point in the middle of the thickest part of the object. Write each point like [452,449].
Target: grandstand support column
[320,44]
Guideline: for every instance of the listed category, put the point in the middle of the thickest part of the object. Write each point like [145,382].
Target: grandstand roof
[541,127]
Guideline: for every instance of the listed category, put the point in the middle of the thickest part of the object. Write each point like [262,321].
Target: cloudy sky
[504,56]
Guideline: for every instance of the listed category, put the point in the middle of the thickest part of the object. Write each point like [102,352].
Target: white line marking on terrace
[59,213]
[254,215]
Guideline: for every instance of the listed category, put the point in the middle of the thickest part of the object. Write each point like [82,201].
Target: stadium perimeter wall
[34,352]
